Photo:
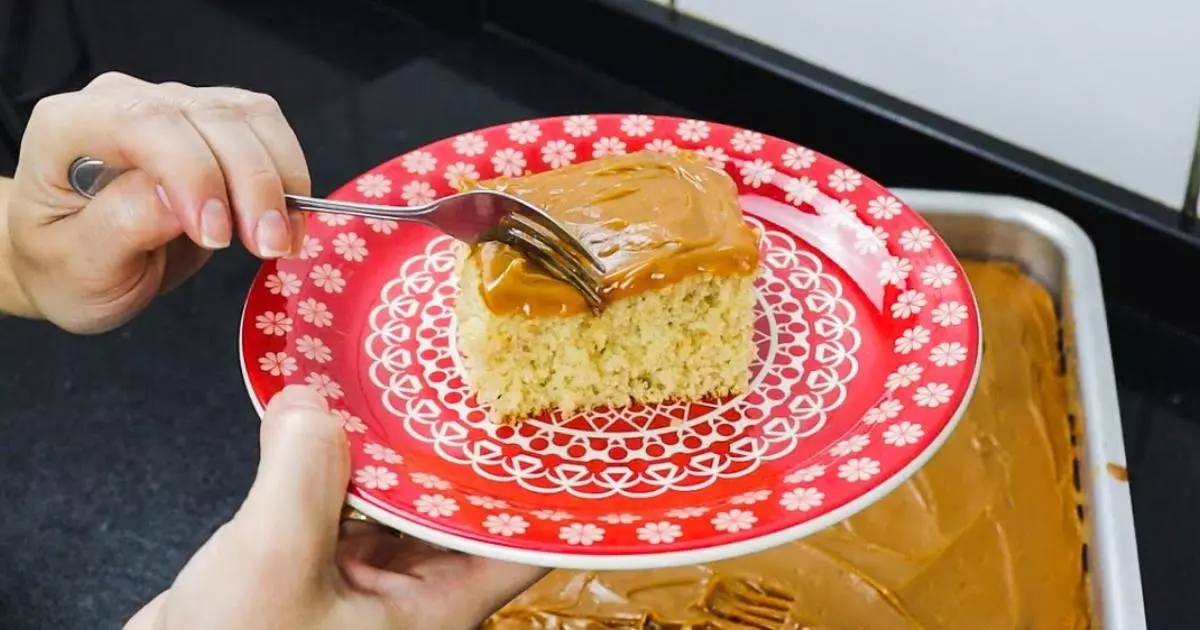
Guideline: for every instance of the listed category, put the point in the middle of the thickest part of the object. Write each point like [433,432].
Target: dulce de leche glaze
[651,218]
[983,537]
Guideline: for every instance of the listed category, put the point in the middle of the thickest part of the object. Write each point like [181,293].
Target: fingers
[281,143]
[364,547]
[257,190]
[485,585]
[250,137]
[139,131]
[454,590]
[119,237]
[223,156]
[293,510]
[129,218]
[266,120]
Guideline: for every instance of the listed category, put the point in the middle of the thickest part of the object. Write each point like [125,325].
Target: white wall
[1110,87]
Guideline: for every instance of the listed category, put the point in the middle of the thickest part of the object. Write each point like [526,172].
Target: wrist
[13,300]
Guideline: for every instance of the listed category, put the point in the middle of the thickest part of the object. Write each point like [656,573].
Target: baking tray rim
[1114,567]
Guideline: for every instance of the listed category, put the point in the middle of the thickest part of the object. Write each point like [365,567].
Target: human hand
[285,561]
[201,164]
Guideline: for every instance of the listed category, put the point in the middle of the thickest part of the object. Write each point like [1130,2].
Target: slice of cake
[678,319]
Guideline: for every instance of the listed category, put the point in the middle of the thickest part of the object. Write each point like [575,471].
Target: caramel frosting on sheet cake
[984,537]
[652,219]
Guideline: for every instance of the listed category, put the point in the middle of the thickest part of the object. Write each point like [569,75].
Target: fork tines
[566,259]
[748,605]
[531,214]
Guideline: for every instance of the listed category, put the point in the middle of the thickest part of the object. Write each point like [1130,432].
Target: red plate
[869,347]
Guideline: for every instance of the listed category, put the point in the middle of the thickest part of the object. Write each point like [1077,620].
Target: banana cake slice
[678,317]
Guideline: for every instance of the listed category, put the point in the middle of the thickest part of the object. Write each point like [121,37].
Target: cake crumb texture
[687,341]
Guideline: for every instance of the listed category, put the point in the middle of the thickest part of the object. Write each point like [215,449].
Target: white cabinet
[1110,87]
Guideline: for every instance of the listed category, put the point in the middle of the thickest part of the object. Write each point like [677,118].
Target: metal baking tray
[1054,251]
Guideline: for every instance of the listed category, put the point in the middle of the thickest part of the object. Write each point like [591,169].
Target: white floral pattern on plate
[414,318]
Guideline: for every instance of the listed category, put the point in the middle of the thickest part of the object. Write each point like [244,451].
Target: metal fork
[474,216]
[742,603]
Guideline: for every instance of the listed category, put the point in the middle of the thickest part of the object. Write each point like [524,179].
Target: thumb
[105,264]
[131,216]
[294,507]
[145,618]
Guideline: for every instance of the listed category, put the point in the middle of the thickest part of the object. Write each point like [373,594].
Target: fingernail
[296,224]
[302,396]
[272,235]
[215,228]
[162,196]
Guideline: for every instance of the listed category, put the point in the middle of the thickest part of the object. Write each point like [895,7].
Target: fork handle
[365,210]
[88,176]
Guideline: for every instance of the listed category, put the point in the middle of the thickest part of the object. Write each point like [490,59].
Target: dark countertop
[121,453]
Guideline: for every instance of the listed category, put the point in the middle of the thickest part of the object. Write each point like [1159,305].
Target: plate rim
[607,560]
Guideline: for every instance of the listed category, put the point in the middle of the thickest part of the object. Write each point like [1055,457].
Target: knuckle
[322,428]
[262,105]
[205,106]
[264,180]
[110,78]
[237,102]
[131,222]
[51,109]
[254,103]
[142,106]
[298,181]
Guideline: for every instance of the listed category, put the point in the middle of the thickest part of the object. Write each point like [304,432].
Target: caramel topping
[984,536]
[651,218]
[1118,472]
